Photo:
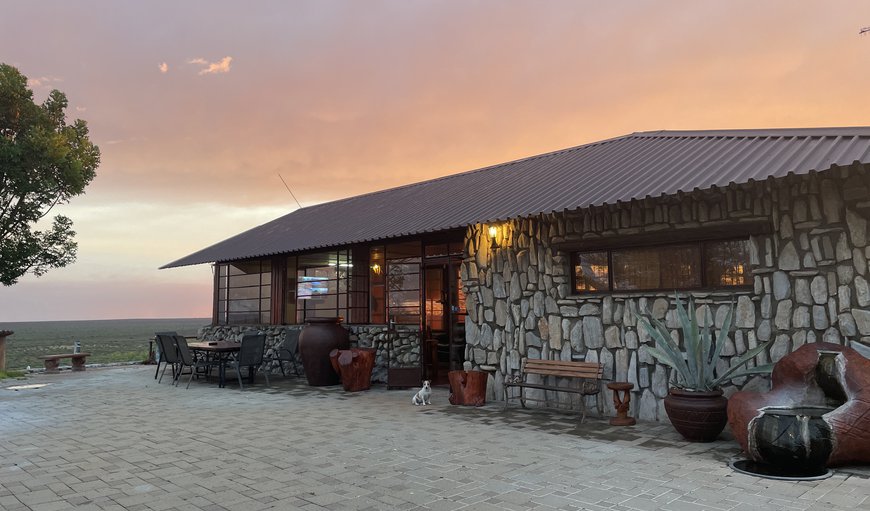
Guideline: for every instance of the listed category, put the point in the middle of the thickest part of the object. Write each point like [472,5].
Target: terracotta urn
[697,415]
[319,337]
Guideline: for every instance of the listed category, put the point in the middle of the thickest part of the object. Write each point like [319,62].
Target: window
[289,313]
[394,277]
[591,272]
[720,263]
[664,267]
[327,285]
[244,292]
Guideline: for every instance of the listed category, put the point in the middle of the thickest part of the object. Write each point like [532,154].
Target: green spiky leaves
[696,367]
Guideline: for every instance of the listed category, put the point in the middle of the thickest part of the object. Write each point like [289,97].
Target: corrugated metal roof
[619,169]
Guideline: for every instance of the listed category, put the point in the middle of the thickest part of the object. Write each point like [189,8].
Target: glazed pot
[697,415]
[796,438]
[318,338]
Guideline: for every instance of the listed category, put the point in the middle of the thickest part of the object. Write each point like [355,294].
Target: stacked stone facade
[809,282]
[404,350]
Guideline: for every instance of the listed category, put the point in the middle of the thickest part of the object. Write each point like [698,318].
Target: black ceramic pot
[698,416]
[318,338]
[791,437]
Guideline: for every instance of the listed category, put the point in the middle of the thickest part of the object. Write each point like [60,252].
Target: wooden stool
[622,404]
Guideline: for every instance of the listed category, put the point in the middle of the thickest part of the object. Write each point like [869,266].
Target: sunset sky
[199,106]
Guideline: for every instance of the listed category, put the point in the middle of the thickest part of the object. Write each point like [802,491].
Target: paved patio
[114,439]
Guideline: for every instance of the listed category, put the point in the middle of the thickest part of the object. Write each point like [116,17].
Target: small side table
[622,404]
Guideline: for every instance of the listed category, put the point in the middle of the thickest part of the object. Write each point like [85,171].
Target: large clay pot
[318,338]
[698,416]
[354,366]
[793,438]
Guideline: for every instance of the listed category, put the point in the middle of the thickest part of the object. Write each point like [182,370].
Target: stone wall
[809,282]
[405,351]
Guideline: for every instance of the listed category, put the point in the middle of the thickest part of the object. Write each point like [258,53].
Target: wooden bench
[52,362]
[589,374]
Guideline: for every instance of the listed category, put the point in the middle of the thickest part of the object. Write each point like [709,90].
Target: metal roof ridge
[829,131]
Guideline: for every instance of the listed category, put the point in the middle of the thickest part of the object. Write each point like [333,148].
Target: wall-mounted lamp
[493,232]
[376,269]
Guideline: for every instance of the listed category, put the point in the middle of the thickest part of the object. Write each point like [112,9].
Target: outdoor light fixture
[376,269]
[493,231]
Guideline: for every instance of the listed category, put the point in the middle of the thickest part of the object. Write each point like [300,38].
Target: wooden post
[3,335]
[354,366]
[467,387]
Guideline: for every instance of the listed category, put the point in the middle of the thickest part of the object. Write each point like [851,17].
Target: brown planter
[467,387]
[354,367]
[698,416]
[318,338]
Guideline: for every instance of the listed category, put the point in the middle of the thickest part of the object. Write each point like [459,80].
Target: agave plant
[695,369]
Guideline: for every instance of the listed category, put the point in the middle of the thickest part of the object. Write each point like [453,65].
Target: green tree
[43,162]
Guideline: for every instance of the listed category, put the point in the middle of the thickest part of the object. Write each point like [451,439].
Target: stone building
[552,256]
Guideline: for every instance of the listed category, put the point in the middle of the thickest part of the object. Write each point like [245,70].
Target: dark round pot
[318,338]
[791,437]
[698,416]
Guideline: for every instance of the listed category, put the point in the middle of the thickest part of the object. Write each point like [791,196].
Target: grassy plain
[108,341]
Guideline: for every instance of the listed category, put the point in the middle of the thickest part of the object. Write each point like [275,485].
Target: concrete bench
[587,373]
[52,362]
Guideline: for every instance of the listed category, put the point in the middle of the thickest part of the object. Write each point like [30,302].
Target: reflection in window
[663,267]
[377,285]
[726,262]
[403,290]
[394,276]
[591,272]
[328,285]
[244,292]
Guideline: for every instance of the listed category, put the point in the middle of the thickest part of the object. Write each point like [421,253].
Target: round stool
[622,404]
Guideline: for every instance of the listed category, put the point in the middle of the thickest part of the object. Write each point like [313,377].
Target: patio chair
[289,351]
[251,356]
[168,353]
[187,359]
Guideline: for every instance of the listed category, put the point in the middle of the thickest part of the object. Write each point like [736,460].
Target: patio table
[220,351]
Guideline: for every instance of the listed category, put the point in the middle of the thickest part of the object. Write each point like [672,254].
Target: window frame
[223,287]
[702,268]
[350,303]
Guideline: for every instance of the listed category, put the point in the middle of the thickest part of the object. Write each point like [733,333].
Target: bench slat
[568,369]
[574,363]
[560,363]
[67,355]
[561,368]
[553,388]
[568,374]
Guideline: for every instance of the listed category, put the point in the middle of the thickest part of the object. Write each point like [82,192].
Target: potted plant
[695,404]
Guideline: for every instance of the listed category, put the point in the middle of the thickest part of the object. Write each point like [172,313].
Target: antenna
[289,190]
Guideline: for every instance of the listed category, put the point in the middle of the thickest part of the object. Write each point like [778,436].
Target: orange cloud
[164,67]
[221,66]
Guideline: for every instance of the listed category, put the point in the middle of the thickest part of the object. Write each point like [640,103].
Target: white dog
[423,396]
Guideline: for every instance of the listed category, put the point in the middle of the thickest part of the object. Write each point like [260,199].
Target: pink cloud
[221,66]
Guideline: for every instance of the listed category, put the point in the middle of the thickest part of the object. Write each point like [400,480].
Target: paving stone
[114,439]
